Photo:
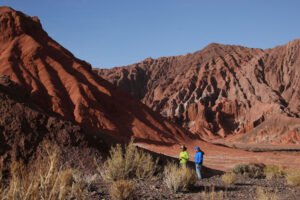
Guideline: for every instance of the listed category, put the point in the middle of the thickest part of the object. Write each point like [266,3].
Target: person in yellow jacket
[183,156]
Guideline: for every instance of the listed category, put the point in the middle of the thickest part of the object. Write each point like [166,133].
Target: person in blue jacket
[198,162]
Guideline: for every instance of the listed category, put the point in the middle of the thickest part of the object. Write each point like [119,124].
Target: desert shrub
[274,171]
[122,190]
[250,170]
[229,178]
[211,194]
[127,163]
[179,178]
[48,181]
[293,178]
[265,195]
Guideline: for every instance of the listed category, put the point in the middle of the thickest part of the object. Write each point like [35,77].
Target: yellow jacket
[184,157]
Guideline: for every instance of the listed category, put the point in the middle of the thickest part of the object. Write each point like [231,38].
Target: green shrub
[229,178]
[293,178]
[128,163]
[122,190]
[274,171]
[179,178]
[250,170]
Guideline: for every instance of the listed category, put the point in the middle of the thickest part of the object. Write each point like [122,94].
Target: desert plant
[48,181]
[229,178]
[265,195]
[250,170]
[179,178]
[122,190]
[293,178]
[127,163]
[274,171]
[211,194]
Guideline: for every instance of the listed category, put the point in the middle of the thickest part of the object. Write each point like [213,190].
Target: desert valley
[238,104]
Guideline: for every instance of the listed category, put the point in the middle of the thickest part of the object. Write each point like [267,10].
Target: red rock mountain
[57,96]
[61,84]
[222,91]
[24,127]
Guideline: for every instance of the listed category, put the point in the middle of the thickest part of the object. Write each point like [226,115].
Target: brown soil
[245,188]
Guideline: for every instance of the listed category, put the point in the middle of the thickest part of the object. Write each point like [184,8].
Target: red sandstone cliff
[222,91]
[61,84]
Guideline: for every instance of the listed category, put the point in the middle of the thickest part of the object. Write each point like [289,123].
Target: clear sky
[109,33]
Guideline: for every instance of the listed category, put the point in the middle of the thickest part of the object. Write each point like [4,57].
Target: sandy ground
[223,158]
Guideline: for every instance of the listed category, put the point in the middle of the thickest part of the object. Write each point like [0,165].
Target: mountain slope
[24,128]
[222,91]
[61,84]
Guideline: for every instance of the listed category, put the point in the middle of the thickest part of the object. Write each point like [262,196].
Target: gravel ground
[244,188]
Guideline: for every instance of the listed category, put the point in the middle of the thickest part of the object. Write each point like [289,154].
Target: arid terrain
[242,94]
[47,94]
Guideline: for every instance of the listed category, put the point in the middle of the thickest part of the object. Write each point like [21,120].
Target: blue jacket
[199,157]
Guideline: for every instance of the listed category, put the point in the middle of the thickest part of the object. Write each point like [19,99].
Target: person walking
[198,162]
[183,156]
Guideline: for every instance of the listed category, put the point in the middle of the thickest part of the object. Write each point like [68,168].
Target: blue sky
[109,33]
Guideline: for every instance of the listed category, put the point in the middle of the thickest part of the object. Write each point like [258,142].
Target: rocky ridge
[60,84]
[222,91]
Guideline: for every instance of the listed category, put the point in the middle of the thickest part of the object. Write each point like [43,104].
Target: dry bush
[274,171]
[179,178]
[122,190]
[48,181]
[250,170]
[211,194]
[229,178]
[265,195]
[128,163]
[293,178]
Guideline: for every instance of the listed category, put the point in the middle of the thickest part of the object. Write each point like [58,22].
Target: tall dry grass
[229,178]
[274,171]
[127,163]
[122,190]
[179,178]
[211,194]
[293,178]
[265,195]
[47,181]
[250,170]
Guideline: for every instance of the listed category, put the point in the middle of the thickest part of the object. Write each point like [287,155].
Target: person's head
[197,149]
[183,148]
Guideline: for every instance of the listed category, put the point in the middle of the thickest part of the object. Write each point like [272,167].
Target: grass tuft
[250,170]
[274,171]
[293,178]
[265,195]
[48,181]
[229,178]
[211,194]
[179,178]
[128,163]
[122,190]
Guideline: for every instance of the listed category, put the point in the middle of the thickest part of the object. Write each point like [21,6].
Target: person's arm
[200,157]
[197,158]
[186,156]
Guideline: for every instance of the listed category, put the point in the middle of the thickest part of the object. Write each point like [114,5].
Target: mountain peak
[14,23]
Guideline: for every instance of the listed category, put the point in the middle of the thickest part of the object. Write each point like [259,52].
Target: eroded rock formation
[222,91]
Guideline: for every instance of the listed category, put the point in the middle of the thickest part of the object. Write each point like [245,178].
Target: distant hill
[223,91]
